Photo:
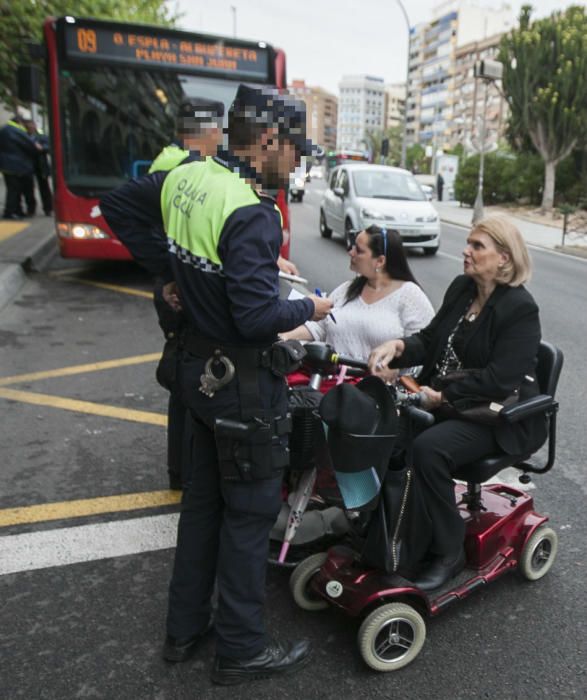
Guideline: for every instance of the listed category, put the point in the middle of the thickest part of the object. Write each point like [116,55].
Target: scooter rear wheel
[538,554]
[301,577]
[391,637]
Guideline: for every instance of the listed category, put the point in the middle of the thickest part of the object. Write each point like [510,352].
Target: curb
[12,278]
[13,274]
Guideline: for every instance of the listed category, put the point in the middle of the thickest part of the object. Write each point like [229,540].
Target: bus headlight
[80,231]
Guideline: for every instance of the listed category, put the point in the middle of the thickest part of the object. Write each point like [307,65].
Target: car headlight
[298,182]
[376,215]
[431,219]
[80,231]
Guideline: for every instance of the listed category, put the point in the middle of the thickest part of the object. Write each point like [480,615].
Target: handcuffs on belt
[209,382]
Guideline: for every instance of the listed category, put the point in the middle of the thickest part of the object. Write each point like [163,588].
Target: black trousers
[13,193]
[45,192]
[438,452]
[224,528]
[28,192]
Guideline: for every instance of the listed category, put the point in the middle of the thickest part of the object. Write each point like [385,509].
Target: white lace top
[361,327]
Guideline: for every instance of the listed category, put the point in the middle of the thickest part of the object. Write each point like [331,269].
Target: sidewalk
[534,234]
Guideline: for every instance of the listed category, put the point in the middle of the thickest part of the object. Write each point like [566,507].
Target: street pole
[478,207]
[405,129]
[233,9]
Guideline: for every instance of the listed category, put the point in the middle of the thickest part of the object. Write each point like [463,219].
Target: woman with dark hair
[383,299]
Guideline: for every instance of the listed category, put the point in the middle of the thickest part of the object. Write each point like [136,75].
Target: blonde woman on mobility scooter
[488,326]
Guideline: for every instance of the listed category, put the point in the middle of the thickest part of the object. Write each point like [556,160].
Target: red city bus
[114,91]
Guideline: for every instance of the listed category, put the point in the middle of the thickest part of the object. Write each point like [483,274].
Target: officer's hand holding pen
[322,307]
[318,293]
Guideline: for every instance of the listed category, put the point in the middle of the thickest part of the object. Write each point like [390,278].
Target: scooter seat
[484,469]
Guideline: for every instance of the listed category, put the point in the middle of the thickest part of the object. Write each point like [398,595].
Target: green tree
[545,82]
[416,159]
[22,22]
[374,139]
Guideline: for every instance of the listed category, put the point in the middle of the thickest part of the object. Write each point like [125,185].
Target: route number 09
[86,40]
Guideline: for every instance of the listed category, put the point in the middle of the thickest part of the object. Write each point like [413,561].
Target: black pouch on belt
[283,357]
[252,450]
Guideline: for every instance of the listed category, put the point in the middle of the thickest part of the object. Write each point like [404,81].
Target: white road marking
[73,545]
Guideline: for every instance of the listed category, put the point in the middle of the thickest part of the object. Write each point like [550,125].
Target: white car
[316,172]
[359,195]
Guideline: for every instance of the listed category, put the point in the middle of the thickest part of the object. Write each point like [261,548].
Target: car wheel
[431,251]
[301,577]
[325,232]
[391,637]
[348,239]
[538,554]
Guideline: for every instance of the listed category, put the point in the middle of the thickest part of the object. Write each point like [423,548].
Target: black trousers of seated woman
[437,453]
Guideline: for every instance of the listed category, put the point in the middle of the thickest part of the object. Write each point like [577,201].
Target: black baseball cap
[269,107]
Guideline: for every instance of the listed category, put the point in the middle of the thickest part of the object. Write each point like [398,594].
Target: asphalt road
[83,580]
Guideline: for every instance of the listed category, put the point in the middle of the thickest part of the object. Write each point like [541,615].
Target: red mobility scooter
[503,533]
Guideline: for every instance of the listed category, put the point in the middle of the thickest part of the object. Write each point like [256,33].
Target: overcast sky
[325,39]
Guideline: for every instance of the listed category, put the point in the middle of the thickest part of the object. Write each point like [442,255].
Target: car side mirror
[339,192]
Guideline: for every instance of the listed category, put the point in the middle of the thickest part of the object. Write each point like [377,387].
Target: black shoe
[442,569]
[277,658]
[176,650]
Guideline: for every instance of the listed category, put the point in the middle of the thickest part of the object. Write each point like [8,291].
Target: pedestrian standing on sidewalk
[17,164]
[42,169]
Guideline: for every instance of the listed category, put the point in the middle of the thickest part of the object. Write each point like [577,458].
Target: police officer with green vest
[134,209]
[199,129]
[224,235]
[223,239]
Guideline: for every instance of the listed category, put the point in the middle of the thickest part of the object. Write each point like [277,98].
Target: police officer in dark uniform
[224,236]
[135,209]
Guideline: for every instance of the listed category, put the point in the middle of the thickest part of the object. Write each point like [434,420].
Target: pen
[318,293]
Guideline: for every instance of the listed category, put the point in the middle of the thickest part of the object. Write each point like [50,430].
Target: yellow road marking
[111,287]
[96,409]
[80,369]
[10,228]
[67,271]
[90,506]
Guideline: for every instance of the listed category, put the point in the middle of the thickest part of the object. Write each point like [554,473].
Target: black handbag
[399,531]
[475,409]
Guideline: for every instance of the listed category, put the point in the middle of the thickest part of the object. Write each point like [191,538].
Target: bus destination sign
[183,53]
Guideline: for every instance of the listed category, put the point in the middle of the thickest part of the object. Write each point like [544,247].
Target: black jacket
[502,345]
[18,153]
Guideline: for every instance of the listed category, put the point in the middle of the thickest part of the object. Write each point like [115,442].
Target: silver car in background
[360,195]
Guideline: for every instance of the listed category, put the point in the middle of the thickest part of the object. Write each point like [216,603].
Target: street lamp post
[488,71]
[405,130]
[233,10]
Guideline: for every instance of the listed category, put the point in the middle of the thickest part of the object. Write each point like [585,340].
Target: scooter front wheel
[301,577]
[538,554]
[391,637]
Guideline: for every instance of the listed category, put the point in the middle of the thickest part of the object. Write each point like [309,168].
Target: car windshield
[387,184]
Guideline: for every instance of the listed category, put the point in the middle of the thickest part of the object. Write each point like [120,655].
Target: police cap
[198,111]
[269,107]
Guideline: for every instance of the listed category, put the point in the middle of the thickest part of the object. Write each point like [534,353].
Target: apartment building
[361,108]
[435,73]
[321,113]
[395,104]
[470,100]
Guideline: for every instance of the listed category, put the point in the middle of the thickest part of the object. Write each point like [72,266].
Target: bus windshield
[115,121]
